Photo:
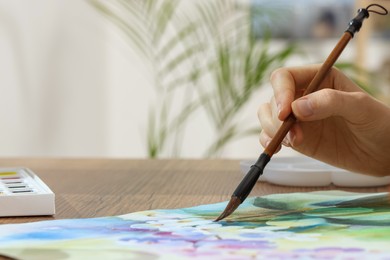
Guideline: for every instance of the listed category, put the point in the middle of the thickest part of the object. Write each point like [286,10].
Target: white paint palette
[23,193]
[306,172]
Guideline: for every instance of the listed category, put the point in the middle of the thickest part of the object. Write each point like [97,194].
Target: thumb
[330,102]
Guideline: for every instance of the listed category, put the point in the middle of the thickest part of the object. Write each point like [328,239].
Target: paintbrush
[250,179]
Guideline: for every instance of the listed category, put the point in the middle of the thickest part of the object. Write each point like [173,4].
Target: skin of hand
[339,124]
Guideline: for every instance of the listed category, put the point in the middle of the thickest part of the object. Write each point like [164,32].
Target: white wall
[53,81]
[71,86]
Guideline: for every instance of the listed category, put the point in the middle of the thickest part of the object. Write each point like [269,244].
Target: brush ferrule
[356,23]
[250,179]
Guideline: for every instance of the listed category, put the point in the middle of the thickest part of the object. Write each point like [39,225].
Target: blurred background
[173,78]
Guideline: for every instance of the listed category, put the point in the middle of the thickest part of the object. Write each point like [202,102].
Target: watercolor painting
[320,225]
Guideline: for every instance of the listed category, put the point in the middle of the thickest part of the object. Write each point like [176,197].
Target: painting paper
[321,225]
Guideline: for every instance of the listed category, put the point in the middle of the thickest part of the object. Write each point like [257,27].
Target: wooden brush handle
[313,86]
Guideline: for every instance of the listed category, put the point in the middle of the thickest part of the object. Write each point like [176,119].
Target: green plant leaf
[211,55]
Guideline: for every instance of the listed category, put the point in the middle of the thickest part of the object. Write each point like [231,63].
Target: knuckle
[360,97]
[328,95]
[277,73]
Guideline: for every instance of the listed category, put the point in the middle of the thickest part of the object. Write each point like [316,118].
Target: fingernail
[304,107]
[268,141]
[279,106]
[290,136]
[286,142]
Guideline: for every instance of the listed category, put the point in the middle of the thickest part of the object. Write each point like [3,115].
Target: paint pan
[23,193]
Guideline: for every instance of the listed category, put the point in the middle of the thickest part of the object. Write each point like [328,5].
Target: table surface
[102,187]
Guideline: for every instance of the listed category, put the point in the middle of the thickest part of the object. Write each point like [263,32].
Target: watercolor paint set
[23,193]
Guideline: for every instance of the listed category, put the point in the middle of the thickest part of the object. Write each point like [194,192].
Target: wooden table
[102,187]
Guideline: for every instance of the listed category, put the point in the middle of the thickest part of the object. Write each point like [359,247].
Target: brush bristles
[230,208]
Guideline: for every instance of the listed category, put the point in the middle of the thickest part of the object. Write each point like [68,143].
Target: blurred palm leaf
[146,24]
[240,66]
[209,61]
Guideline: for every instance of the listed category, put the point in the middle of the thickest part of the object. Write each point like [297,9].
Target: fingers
[293,138]
[265,140]
[287,83]
[284,91]
[337,96]
[268,120]
[330,102]
[271,124]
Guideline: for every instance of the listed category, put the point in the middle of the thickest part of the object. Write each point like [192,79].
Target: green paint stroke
[320,225]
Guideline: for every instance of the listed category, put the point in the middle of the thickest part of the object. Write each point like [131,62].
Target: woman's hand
[339,124]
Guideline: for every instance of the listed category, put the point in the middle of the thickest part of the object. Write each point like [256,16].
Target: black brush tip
[230,208]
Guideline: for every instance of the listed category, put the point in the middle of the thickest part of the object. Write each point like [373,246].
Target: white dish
[306,172]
